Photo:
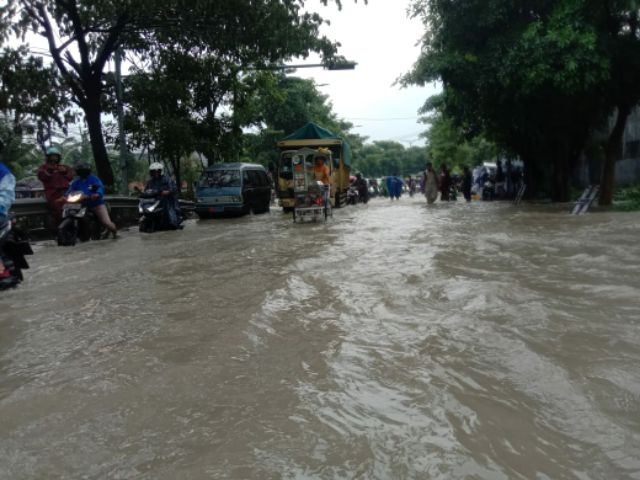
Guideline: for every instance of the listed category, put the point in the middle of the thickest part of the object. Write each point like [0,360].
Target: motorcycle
[488,191]
[78,222]
[156,212]
[363,192]
[14,245]
[151,211]
[352,195]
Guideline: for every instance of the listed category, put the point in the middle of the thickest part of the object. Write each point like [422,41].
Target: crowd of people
[487,183]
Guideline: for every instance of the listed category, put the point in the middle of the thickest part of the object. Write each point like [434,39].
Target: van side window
[246,179]
[264,180]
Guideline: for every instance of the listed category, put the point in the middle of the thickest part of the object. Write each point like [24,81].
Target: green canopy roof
[311,131]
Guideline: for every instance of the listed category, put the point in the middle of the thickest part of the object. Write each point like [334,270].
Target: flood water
[398,341]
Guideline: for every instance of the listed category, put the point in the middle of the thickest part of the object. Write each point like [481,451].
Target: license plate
[216,209]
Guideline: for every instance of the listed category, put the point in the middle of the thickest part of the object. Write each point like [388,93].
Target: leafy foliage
[528,75]
[227,35]
[383,158]
[32,99]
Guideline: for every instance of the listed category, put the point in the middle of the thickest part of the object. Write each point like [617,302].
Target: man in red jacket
[55,178]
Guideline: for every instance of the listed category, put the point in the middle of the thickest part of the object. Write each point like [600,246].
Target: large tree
[618,29]
[83,35]
[528,75]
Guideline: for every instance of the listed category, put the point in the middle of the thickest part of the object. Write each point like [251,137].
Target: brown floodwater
[398,341]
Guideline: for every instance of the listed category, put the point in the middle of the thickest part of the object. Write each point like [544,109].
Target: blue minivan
[233,188]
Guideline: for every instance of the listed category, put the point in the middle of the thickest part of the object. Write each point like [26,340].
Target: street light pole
[124,188]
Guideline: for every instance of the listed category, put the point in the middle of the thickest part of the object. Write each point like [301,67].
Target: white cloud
[383,40]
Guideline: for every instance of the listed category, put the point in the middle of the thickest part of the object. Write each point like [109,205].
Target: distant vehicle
[311,196]
[314,137]
[374,191]
[233,188]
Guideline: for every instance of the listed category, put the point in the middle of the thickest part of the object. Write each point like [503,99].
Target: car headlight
[238,199]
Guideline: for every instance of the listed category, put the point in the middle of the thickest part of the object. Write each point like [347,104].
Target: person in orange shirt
[321,171]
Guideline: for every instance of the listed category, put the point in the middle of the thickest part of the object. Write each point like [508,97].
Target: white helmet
[156,166]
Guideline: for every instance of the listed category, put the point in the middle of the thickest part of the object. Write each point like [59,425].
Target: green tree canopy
[528,75]
[83,35]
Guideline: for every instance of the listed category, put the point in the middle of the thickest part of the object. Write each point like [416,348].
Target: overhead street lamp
[337,64]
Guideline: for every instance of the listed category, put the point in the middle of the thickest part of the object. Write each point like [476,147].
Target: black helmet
[82,168]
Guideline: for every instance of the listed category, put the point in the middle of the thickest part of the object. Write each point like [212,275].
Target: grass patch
[627,199]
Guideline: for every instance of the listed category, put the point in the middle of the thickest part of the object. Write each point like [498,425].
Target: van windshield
[221,178]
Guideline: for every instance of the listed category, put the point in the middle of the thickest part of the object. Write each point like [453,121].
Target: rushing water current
[397,341]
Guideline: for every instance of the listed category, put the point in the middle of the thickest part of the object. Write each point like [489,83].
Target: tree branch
[43,19]
[76,21]
[110,44]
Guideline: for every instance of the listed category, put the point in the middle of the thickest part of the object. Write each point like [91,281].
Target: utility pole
[124,188]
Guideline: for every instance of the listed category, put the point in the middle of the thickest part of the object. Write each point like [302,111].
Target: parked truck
[312,136]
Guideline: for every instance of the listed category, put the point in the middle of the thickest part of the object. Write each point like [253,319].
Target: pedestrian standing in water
[500,181]
[466,183]
[430,184]
[394,186]
[445,183]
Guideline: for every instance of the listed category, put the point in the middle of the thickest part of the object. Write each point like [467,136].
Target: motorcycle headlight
[152,207]
[74,197]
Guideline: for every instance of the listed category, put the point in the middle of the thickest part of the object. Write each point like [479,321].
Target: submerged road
[396,341]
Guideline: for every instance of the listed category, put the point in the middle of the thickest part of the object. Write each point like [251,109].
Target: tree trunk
[175,163]
[94,123]
[560,181]
[559,169]
[613,149]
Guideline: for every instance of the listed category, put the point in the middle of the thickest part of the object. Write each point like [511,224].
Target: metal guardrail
[24,207]
[32,214]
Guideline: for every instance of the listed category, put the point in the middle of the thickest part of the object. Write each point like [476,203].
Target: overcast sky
[384,42]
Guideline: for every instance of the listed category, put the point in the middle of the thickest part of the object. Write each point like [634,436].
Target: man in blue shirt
[7,196]
[93,190]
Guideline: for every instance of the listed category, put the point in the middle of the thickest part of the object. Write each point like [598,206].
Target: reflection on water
[397,341]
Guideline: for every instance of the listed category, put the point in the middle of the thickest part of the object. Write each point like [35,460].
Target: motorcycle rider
[362,187]
[55,178]
[7,196]
[167,190]
[93,189]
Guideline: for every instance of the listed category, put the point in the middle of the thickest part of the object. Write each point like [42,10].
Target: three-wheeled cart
[312,197]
